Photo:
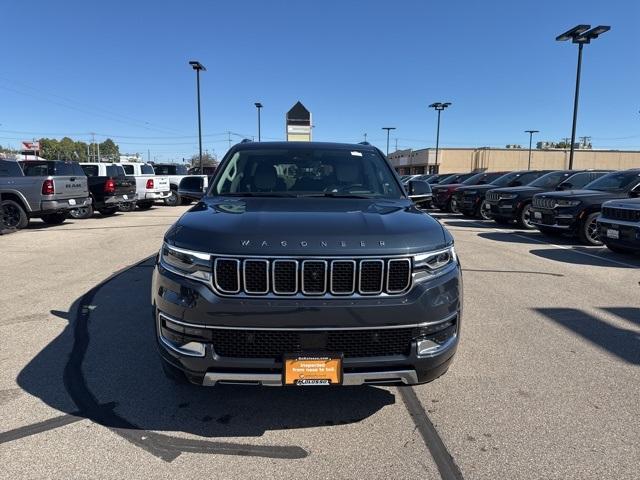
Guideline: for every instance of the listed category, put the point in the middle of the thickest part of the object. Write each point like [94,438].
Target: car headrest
[347,172]
[265,177]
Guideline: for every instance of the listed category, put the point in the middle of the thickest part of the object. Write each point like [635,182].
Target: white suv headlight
[190,264]
[432,264]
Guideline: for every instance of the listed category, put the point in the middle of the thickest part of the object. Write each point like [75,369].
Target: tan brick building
[496,159]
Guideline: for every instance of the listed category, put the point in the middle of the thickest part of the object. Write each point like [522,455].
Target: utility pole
[148,155]
[197,66]
[396,144]
[99,159]
[229,137]
[365,137]
[582,35]
[530,132]
[584,141]
[388,129]
[93,143]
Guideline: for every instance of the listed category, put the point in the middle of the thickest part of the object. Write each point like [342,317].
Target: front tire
[13,215]
[484,211]
[54,218]
[588,230]
[524,219]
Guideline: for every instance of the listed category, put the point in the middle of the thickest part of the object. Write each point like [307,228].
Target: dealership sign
[31,145]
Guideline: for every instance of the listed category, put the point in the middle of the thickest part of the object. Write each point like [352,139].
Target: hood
[481,188]
[306,226]
[577,194]
[524,189]
[451,186]
[628,203]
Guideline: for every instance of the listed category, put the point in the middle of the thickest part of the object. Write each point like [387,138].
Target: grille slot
[493,196]
[343,277]
[624,214]
[256,276]
[352,343]
[371,279]
[285,277]
[314,277]
[226,273]
[398,275]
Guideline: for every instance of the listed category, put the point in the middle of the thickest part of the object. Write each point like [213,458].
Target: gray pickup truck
[40,189]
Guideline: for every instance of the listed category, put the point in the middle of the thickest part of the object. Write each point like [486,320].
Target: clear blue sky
[120,68]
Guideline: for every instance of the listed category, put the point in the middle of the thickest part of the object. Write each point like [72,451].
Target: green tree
[207,160]
[109,151]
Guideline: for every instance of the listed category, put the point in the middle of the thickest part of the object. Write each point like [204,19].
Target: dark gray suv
[306,264]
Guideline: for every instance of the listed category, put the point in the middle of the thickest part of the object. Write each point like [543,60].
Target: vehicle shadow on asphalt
[586,256]
[471,224]
[621,342]
[106,362]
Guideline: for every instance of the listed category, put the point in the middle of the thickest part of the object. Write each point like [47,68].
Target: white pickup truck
[149,186]
[176,172]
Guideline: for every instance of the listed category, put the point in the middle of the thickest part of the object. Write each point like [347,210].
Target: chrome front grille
[547,203]
[309,277]
[624,214]
[493,196]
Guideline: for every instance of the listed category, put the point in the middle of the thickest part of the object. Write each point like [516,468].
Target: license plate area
[613,233]
[537,215]
[312,369]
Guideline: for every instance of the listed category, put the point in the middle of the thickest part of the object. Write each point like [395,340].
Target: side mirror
[564,186]
[419,190]
[192,188]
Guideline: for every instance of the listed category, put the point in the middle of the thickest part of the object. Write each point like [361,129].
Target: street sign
[298,122]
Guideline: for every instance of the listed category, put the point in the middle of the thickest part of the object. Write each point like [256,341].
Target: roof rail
[246,140]
[364,143]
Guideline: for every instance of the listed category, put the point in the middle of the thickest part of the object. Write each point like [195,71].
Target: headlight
[508,196]
[432,264]
[567,203]
[190,264]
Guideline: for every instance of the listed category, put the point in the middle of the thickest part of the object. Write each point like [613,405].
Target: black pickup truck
[108,187]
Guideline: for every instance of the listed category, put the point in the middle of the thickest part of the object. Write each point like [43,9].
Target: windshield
[515,179]
[550,180]
[307,171]
[171,170]
[615,182]
[482,178]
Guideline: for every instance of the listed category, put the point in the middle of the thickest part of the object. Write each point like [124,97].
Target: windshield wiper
[336,195]
[257,194]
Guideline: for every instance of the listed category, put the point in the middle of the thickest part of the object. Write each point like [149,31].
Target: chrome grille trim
[244,276]
[546,203]
[408,283]
[324,289]
[215,274]
[353,286]
[273,274]
[358,276]
[373,292]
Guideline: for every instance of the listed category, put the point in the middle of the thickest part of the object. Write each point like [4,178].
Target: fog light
[183,339]
[440,337]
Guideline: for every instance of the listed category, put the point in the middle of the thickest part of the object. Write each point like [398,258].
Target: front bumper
[559,219]
[52,206]
[620,233]
[194,305]
[469,204]
[505,209]
[157,195]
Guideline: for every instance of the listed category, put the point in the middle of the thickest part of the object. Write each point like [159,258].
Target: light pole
[439,107]
[388,129]
[258,107]
[581,35]
[197,66]
[530,132]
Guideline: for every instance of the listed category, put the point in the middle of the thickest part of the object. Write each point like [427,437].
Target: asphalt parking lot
[546,382]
